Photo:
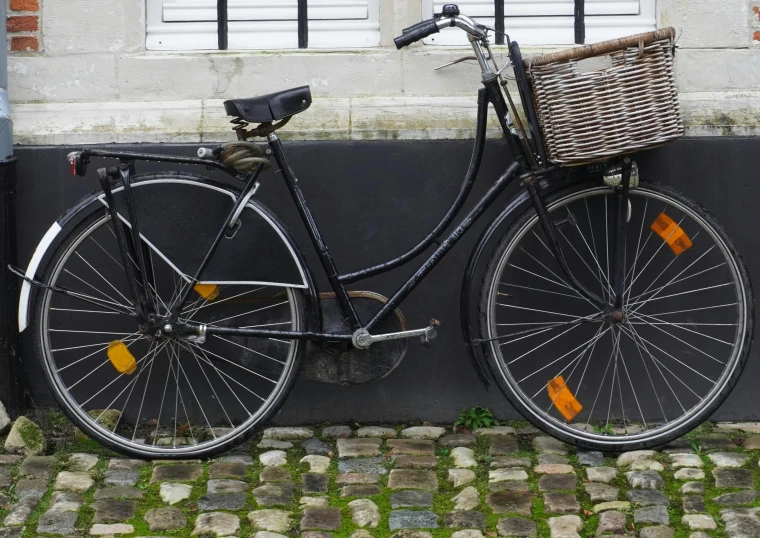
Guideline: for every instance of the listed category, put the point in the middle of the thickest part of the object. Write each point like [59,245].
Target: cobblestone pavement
[417,482]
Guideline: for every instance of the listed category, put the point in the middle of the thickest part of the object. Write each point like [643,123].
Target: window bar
[580,22]
[499,22]
[221,23]
[303,25]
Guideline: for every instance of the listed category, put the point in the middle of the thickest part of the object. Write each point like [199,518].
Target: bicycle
[614,314]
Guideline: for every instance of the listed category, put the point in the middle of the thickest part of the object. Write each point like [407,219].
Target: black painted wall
[374,200]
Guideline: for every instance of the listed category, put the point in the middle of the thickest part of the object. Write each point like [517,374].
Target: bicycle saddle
[271,107]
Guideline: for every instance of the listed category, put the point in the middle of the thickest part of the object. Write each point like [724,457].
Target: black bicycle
[171,312]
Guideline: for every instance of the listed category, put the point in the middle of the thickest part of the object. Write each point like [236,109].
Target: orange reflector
[121,358]
[671,233]
[563,399]
[207,291]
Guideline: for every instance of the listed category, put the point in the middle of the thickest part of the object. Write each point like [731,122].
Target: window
[262,24]
[551,22]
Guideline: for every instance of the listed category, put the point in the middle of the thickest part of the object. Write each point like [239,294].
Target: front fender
[469,328]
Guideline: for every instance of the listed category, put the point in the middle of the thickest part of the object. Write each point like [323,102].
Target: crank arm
[362,339]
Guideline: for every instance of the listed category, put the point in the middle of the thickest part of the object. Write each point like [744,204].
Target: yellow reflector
[671,233]
[121,358]
[563,399]
[207,291]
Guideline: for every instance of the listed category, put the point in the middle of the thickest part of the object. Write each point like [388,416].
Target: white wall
[94,82]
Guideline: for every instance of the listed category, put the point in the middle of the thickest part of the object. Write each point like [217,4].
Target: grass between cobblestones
[442,503]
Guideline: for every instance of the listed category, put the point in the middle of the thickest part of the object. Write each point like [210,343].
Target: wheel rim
[529,331]
[185,397]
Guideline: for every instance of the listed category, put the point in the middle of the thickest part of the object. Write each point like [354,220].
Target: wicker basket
[592,116]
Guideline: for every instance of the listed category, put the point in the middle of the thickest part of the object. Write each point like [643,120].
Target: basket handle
[600,49]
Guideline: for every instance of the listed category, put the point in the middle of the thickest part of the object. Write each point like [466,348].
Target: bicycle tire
[609,438]
[82,220]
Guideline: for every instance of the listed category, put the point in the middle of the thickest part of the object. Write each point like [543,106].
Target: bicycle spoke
[642,303]
[638,245]
[545,311]
[107,361]
[126,401]
[694,309]
[599,390]
[216,322]
[537,289]
[190,386]
[615,351]
[596,252]
[211,386]
[703,271]
[575,362]
[225,374]
[111,383]
[220,301]
[110,300]
[249,349]
[586,343]
[677,360]
[678,275]
[142,401]
[101,349]
[581,257]
[664,242]
[659,364]
[532,332]
[219,373]
[649,376]
[104,279]
[552,272]
[684,341]
[83,311]
[539,276]
[675,258]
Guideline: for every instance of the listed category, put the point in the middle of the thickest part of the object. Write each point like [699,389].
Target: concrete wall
[92,81]
[398,191]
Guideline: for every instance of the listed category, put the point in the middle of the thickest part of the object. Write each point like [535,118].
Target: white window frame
[324,32]
[555,28]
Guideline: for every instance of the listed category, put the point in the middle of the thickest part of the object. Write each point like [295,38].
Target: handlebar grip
[413,27]
[416,32]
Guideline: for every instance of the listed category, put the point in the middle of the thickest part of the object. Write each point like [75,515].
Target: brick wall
[23,25]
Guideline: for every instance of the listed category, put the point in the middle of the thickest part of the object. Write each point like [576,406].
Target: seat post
[316,237]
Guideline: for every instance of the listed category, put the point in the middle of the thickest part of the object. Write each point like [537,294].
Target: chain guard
[341,363]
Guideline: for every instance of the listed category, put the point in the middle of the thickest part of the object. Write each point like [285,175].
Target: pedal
[430,333]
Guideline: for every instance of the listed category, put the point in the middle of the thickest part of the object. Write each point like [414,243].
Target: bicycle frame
[526,166]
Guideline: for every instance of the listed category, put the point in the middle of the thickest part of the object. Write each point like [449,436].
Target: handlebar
[423,29]
[415,33]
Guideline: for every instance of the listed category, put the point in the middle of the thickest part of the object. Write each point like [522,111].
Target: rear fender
[179,228]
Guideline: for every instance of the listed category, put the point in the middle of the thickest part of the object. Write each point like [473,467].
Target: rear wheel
[160,396]
[598,383]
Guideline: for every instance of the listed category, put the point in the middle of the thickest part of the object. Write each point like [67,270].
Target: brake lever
[458,60]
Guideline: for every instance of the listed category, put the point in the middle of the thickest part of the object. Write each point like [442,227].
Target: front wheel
[640,382]
[160,395]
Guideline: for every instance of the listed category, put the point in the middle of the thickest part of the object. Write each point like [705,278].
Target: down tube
[447,244]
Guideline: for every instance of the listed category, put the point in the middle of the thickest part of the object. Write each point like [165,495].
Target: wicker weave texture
[595,115]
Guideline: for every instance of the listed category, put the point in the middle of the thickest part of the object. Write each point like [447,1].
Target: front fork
[614,304]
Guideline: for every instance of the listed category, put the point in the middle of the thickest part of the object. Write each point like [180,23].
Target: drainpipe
[11,386]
